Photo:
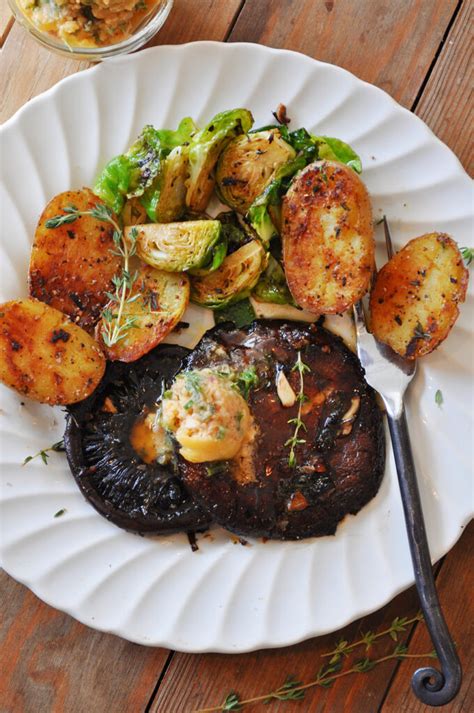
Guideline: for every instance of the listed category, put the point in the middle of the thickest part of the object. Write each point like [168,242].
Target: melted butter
[149,439]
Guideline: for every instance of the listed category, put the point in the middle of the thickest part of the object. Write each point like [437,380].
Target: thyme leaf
[114,325]
[298,423]
[293,690]
[439,398]
[467,255]
[44,453]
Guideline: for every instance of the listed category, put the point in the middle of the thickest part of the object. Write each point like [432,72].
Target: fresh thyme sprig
[44,454]
[293,690]
[295,440]
[468,255]
[114,327]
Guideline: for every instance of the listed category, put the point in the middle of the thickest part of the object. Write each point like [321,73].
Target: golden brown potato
[71,266]
[414,300]
[163,298]
[327,233]
[45,356]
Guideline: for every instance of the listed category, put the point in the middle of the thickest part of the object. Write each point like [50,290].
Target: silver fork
[390,374]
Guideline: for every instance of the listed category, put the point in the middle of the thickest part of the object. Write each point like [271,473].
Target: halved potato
[328,242]
[414,300]
[45,356]
[163,297]
[71,266]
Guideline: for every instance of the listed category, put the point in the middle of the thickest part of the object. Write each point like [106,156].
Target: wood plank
[447,101]
[49,662]
[193,682]
[6,20]
[189,20]
[455,586]
[390,44]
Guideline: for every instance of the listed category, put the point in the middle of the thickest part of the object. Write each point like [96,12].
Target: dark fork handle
[435,688]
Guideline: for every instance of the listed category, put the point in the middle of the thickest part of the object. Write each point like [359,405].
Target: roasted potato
[414,300]
[46,356]
[163,297]
[327,233]
[71,266]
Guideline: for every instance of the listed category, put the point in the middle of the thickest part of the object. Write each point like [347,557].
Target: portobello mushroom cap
[340,464]
[139,496]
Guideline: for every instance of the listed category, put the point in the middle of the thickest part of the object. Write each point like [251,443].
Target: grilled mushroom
[123,465]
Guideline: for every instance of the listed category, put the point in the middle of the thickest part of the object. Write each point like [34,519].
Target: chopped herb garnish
[468,255]
[439,397]
[420,334]
[221,431]
[44,454]
[247,380]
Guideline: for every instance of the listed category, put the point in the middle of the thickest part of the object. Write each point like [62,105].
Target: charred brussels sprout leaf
[272,286]
[258,214]
[132,173]
[233,280]
[164,200]
[178,247]
[204,149]
[240,313]
[247,165]
[337,150]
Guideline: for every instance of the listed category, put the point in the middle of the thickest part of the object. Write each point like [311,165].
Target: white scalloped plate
[227,597]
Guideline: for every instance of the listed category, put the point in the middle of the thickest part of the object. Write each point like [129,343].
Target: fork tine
[388,238]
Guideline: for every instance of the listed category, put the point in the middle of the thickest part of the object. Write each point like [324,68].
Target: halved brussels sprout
[248,164]
[272,286]
[204,149]
[130,174]
[164,200]
[233,280]
[177,247]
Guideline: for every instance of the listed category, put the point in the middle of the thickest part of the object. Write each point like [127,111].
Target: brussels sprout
[164,200]
[234,279]
[177,247]
[130,174]
[272,286]
[204,149]
[258,214]
[337,150]
[247,165]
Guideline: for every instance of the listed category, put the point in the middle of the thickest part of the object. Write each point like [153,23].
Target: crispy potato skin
[46,357]
[71,267]
[415,296]
[328,242]
[164,297]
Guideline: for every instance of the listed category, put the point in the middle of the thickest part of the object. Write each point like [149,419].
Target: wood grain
[390,44]
[198,681]
[51,663]
[455,586]
[447,101]
[189,20]
[6,20]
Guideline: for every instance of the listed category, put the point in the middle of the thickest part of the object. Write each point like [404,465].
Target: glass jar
[56,14]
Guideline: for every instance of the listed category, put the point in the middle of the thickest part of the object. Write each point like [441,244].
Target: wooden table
[418,51]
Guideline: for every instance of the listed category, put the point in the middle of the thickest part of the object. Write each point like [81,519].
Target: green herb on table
[439,400]
[44,454]
[468,255]
[294,690]
[114,325]
[298,423]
